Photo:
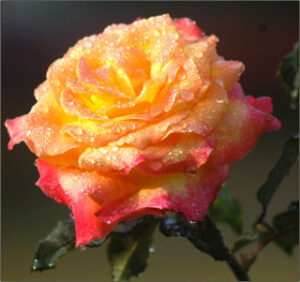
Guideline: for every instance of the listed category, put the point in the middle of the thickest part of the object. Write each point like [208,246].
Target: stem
[205,236]
[240,273]
[253,255]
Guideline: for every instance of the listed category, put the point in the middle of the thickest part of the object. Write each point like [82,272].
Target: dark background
[34,34]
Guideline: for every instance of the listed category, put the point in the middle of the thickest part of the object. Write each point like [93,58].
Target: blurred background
[34,34]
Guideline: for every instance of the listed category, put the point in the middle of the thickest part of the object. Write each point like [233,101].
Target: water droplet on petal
[115,149]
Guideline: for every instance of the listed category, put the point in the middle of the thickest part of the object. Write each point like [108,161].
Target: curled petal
[189,29]
[227,73]
[204,116]
[73,105]
[163,158]
[16,130]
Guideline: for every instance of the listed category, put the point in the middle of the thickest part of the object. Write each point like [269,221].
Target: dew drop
[115,149]
[79,131]
[102,150]
[151,250]
[87,44]
[187,95]
[220,82]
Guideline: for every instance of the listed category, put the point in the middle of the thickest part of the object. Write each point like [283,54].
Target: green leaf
[288,74]
[204,235]
[289,155]
[287,228]
[244,240]
[58,243]
[227,209]
[128,252]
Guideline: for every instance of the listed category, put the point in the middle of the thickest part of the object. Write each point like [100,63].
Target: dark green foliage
[289,155]
[128,252]
[288,74]
[227,209]
[58,243]
[287,228]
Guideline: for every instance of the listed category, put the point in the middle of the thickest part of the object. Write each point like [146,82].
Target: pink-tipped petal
[83,193]
[240,127]
[189,28]
[16,131]
[190,194]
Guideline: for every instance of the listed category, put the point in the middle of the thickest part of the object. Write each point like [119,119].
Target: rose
[137,120]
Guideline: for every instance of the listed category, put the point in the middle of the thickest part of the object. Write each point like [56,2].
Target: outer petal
[84,193]
[16,131]
[240,127]
[190,194]
[227,72]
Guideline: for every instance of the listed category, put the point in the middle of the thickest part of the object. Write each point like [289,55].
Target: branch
[262,244]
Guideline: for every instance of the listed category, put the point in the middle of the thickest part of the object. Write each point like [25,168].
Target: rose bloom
[140,119]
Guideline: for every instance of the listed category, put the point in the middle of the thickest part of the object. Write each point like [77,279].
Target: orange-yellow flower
[140,119]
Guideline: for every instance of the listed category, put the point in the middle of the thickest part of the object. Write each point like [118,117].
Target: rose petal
[16,131]
[151,134]
[87,226]
[190,194]
[204,116]
[227,73]
[203,54]
[263,104]
[40,129]
[83,192]
[179,155]
[189,29]
[151,36]
[187,154]
[75,106]
[240,127]
[100,133]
